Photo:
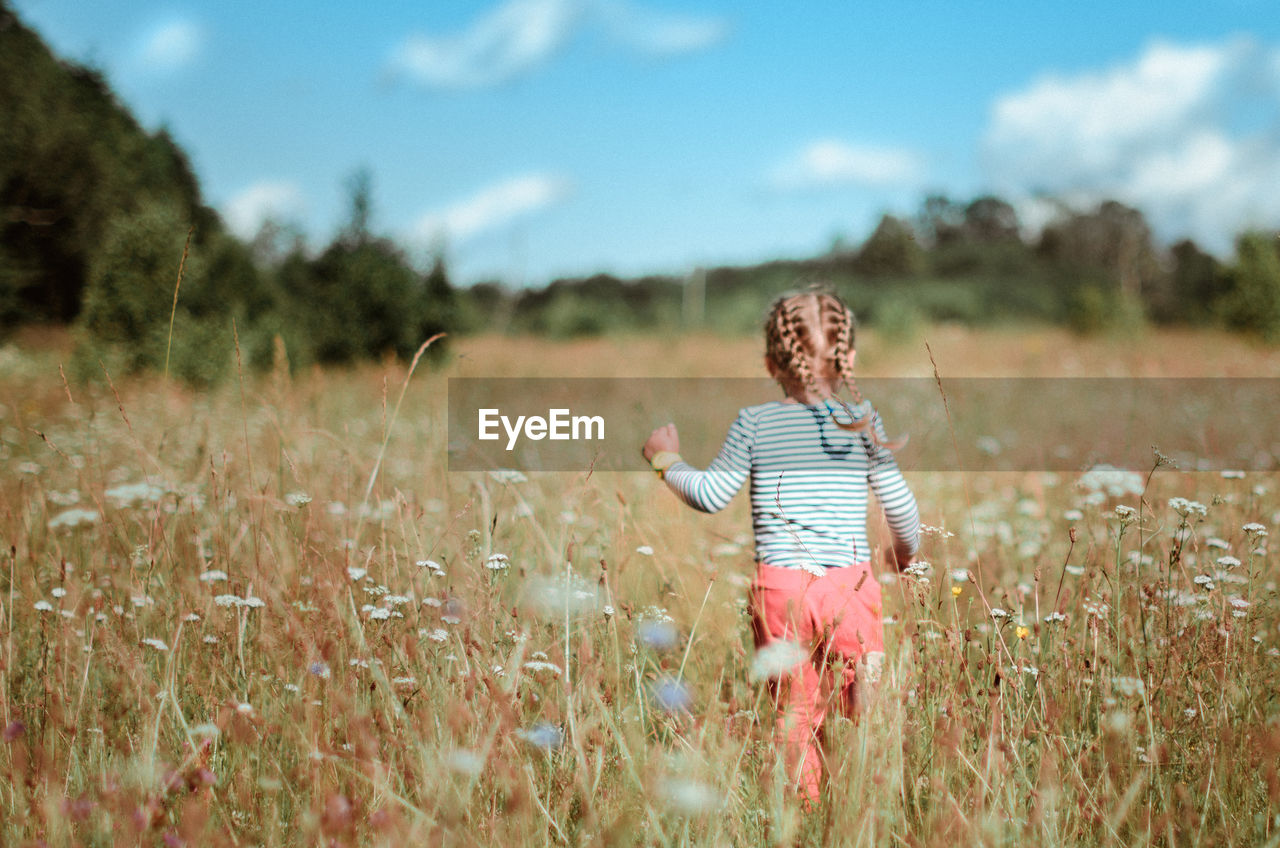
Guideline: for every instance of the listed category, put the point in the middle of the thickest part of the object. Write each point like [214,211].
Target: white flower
[1204,580]
[540,665]
[378,613]
[397,600]
[1073,515]
[1239,603]
[74,517]
[432,602]
[1228,561]
[465,762]
[1125,513]
[43,606]
[998,613]
[357,573]
[58,592]
[1129,686]
[244,708]
[297,499]
[227,600]
[191,617]
[1074,570]
[210,640]
[609,611]
[252,602]
[645,550]
[498,562]
[776,659]
[1054,616]
[1215,542]
[436,569]
[156,643]
[212,575]
[438,635]
[960,575]
[405,681]
[1253,528]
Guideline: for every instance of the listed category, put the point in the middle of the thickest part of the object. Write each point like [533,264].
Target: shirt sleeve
[711,490]
[890,487]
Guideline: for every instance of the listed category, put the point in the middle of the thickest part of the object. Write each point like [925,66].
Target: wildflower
[319,669]
[918,569]
[644,550]
[396,600]
[690,797]
[244,708]
[776,659]
[404,681]
[1073,515]
[997,613]
[378,613]
[436,569]
[358,662]
[929,530]
[498,562]
[536,666]
[1054,617]
[191,617]
[1074,570]
[43,606]
[657,635]
[253,602]
[671,695]
[544,735]
[960,575]
[207,729]
[357,573]
[955,591]
[74,517]
[1126,514]
[210,640]
[1022,631]
[212,576]
[438,635]
[432,602]
[155,643]
[465,762]
[1204,580]
[609,611]
[1109,481]
[292,687]
[1129,686]
[1253,528]
[1228,561]
[297,499]
[58,592]
[1031,670]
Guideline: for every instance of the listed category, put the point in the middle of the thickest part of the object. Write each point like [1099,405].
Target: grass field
[268,615]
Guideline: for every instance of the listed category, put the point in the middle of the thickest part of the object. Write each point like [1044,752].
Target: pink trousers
[836,618]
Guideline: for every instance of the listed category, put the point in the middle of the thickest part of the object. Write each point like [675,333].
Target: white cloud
[1189,134]
[170,46]
[246,212]
[829,162]
[660,33]
[517,36]
[491,207]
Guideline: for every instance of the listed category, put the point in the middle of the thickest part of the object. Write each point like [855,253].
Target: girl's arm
[711,490]
[895,498]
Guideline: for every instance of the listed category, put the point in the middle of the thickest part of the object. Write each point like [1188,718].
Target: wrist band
[662,460]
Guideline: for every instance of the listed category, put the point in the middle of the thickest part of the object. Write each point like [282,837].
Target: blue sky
[539,138]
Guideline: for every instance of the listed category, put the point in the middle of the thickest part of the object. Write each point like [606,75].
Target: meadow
[268,614]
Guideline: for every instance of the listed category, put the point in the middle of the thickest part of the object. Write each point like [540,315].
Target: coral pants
[835,618]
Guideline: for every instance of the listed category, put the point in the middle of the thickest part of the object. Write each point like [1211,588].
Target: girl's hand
[897,559]
[665,438]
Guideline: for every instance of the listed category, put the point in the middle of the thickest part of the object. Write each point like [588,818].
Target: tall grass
[201,651]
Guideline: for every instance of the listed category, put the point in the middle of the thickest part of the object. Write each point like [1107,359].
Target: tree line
[103,222]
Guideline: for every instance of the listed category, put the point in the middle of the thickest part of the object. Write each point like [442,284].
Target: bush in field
[1251,294]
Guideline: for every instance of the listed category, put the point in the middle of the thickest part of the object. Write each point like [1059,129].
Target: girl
[811,458]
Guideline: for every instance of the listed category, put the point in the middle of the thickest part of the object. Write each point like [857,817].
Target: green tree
[891,250]
[1251,299]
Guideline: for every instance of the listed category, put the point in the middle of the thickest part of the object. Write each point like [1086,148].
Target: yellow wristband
[662,460]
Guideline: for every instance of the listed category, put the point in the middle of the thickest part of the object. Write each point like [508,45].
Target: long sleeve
[711,490]
[891,490]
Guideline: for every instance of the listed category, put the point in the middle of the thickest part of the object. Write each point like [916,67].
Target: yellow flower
[955,591]
[1022,631]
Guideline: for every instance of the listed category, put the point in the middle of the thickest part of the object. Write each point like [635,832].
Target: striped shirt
[809,484]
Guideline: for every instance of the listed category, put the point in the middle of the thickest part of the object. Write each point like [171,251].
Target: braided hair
[809,339]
